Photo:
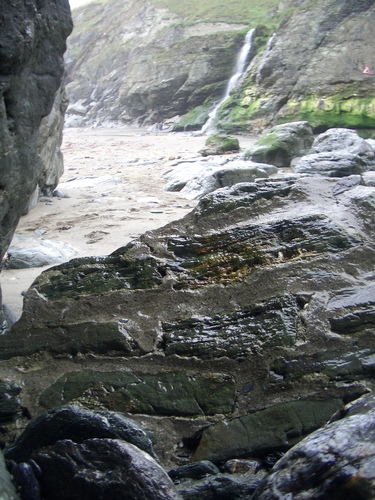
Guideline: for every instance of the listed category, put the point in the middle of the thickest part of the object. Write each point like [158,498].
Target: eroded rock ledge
[260,300]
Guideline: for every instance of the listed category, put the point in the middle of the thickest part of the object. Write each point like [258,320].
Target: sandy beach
[113,180]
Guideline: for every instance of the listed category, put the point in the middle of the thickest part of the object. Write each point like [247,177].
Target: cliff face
[147,61]
[135,61]
[312,70]
[32,44]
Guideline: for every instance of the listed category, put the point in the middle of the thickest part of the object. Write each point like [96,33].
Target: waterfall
[238,72]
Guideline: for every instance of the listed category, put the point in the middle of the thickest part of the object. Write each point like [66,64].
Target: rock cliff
[32,104]
[146,61]
[312,70]
[142,62]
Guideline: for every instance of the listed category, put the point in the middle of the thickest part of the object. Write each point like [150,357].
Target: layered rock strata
[260,300]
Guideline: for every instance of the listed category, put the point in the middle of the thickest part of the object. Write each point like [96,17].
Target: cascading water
[239,70]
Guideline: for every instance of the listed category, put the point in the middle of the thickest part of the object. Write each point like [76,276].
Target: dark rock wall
[32,43]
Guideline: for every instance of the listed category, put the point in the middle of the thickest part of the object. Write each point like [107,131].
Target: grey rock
[221,486]
[196,470]
[306,72]
[129,87]
[237,297]
[215,178]
[172,393]
[336,164]
[337,153]
[352,310]
[101,468]
[328,365]
[25,252]
[7,318]
[195,180]
[25,477]
[304,75]
[337,460]
[346,183]
[281,144]
[265,324]
[337,139]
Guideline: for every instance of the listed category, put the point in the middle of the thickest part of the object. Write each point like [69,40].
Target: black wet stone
[77,424]
[336,461]
[195,470]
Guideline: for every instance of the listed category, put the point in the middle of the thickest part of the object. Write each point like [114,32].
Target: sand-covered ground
[113,178]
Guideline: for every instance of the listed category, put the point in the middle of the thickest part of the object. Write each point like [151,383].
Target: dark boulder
[77,424]
[337,461]
[196,470]
[220,487]
[101,468]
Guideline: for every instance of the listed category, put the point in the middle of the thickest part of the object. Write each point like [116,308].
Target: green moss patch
[332,111]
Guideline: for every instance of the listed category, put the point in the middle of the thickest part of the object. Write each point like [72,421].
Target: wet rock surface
[261,297]
[335,461]
[101,468]
[171,393]
[77,424]
[272,429]
[10,406]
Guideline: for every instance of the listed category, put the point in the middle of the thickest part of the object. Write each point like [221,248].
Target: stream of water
[238,72]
